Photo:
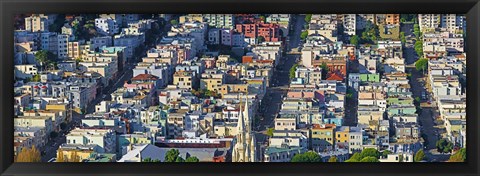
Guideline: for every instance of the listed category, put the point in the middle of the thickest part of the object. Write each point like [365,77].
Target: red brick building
[270,32]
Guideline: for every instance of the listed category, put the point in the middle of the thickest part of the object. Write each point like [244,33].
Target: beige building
[184,80]
[37,23]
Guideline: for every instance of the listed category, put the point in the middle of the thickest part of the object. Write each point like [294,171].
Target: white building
[104,138]
[107,26]
[37,23]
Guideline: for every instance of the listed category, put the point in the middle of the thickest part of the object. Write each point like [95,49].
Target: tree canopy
[333,159]
[193,159]
[28,155]
[444,146]
[421,64]
[355,40]
[292,71]
[304,35]
[172,155]
[370,159]
[419,156]
[150,160]
[309,156]
[270,131]
[308,18]
[459,156]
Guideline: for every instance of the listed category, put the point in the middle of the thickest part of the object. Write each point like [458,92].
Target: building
[184,80]
[269,32]
[245,149]
[37,23]
[105,138]
[107,26]
[322,137]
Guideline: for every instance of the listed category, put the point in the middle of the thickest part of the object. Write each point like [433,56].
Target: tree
[292,71]
[28,155]
[309,156]
[419,156]
[179,160]
[370,159]
[36,78]
[402,37]
[421,64]
[172,155]
[400,158]
[385,153]
[459,156]
[418,46]
[354,40]
[308,18]
[417,99]
[325,70]
[333,159]
[260,39]
[270,132]
[444,146]
[193,159]
[355,157]
[150,160]
[370,152]
[264,19]
[173,22]
[304,35]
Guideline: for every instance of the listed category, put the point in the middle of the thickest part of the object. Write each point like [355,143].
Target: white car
[52,160]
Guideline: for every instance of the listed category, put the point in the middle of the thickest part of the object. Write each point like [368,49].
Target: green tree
[36,78]
[370,152]
[370,159]
[270,132]
[354,40]
[356,157]
[325,70]
[309,156]
[421,64]
[292,71]
[385,153]
[419,156]
[150,160]
[444,146]
[333,159]
[402,37]
[417,99]
[304,35]
[400,158]
[418,46]
[308,18]
[172,155]
[193,159]
[459,156]
[42,57]
[173,22]
[179,160]
[260,39]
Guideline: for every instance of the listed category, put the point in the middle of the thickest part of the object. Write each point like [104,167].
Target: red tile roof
[145,77]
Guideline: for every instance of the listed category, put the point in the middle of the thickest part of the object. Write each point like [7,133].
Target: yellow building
[212,82]
[184,79]
[322,136]
[69,152]
[233,88]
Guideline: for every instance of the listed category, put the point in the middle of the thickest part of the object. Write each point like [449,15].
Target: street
[425,118]
[280,82]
